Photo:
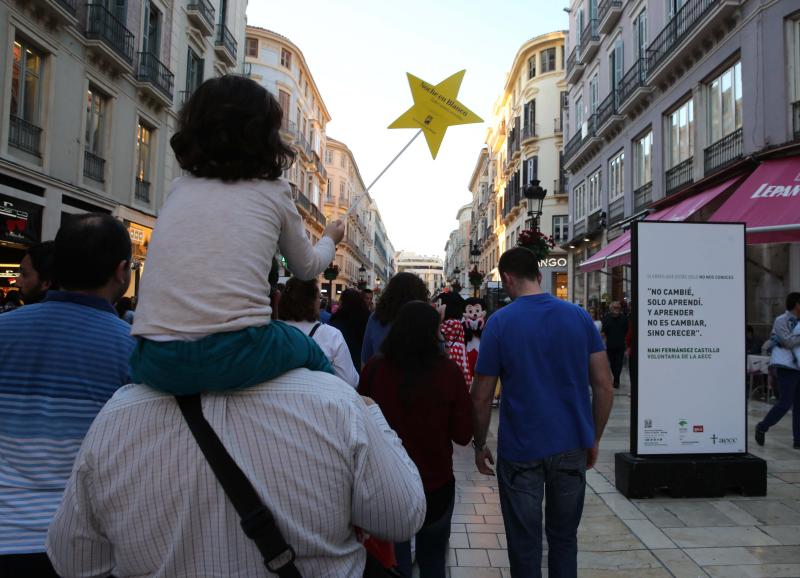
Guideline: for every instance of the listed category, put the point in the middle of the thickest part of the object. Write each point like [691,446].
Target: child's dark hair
[230,130]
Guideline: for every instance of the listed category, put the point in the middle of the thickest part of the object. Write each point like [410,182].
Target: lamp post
[330,274]
[535,195]
[362,283]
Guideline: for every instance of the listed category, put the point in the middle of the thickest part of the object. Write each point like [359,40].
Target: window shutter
[535,171]
[525,175]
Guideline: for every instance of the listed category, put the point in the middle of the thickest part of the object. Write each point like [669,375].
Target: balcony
[596,222]
[675,47]
[642,197]
[680,175]
[108,38]
[572,145]
[25,136]
[616,211]
[225,45]
[155,79]
[590,41]
[579,229]
[574,68]
[590,143]
[796,119]
[317,215]
[58,11]
[142,192]
[201,15]
[94,167]
[607,116]
[633,88]
[609,13]
[529,133]
[288,129]
[319,166]
[558,126]
[559,188]
[723,152]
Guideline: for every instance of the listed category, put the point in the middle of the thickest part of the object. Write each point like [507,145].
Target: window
[640,34]
[642,154]
[793,50]
[144,138]
[286,58]
[579,201]
[328,157]
[26,83]
[343,161]
[285,100]
[530,116]
[252,47]
[725,103]
[560,228]
[548,60]
[151,39]
[96,105]
[341,190]
[532,67]
[674,6]
[563,60]
[578,114]
[616,178]
[194,71]
[593,94]
[616,64]
[680,134]
[595,190]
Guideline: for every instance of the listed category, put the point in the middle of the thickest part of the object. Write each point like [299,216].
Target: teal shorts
[225,361]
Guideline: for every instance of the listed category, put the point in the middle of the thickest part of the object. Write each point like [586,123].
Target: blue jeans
[789,388]
[432,542]
[561,481]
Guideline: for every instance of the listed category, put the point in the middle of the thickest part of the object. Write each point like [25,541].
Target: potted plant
[536,242]
[475,277]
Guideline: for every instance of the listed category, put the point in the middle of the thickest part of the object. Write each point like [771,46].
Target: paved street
[732,536]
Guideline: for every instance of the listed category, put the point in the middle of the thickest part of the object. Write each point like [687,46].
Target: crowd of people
[184,435]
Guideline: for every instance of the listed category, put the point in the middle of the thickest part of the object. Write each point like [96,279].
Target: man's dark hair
[298,300]
[401,289]
[230,130]
[88,249]
[367,291]
[521,263]
[792,299]
[42,256]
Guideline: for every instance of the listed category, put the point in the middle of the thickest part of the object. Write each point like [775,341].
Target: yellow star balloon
[436,107]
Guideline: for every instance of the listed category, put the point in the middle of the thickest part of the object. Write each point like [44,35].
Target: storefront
[555,275]
[20,227]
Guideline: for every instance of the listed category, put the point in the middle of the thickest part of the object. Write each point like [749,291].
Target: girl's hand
[335,231]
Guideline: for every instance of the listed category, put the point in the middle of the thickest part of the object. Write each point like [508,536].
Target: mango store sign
[553,262]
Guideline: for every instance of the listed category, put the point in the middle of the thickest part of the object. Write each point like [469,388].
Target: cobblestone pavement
[733,536]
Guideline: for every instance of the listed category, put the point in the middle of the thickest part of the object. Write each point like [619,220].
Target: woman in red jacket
[424,398]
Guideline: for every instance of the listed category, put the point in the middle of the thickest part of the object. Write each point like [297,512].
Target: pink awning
[618,251]
[769,202]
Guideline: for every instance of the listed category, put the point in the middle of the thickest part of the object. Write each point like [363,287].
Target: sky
[359,51]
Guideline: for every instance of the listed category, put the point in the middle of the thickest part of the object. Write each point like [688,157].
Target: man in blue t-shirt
[548,353]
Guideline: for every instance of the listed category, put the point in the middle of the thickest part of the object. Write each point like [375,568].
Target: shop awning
[768,202]
[618,251]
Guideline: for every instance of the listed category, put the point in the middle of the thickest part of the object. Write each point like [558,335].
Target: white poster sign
[690,299]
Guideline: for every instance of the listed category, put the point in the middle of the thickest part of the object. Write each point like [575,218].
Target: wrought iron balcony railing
[680,175]
[616,210]
[155,72]
[573,145]
[636,77]
[225,39]
[606,8]
[25,136]
[69,5]
[607,108]
[678,28]
[94,167]
[204,9]
[142,192]
[103,26]
[643,196]
[589,34]
[529,131]
[723,152]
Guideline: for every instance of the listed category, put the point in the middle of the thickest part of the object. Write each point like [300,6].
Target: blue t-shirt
[539,346]
[374,335]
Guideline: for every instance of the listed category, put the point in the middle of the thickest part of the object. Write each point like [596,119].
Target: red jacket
[440,413]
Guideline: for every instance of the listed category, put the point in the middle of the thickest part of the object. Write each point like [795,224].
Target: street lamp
[362,283]
[474,253]
[535,195]
[330,274]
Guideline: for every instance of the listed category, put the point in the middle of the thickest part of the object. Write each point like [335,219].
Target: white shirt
[211,253]
[142,500]
[332,343]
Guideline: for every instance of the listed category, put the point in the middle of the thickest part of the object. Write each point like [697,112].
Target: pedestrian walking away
[68,355]
[548,354]
[615,328]
[424,397]
[785,347]
[351,320]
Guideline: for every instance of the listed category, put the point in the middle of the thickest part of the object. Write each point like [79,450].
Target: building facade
[523,144]
[429,269]
[667,99]
[90,96]
[457,249]
[278,65]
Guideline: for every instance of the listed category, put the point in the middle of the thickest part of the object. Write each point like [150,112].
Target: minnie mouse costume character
[474,319]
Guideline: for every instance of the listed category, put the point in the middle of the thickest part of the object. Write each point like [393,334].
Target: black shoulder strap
[314,330]
[256,519]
